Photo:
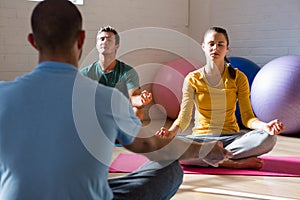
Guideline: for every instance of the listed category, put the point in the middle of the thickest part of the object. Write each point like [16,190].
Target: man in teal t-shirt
[114,73]
[122,77]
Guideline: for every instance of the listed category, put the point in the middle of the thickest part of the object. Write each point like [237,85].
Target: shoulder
[92,67]
[126,69]
[240,74]
[194,75]
[241,79]
[123,65]
[5,87]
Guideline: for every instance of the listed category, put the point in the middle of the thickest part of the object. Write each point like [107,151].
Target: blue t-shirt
[57,134]
[123,77]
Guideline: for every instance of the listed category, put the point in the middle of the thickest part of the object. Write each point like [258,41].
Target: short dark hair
[110,29]
[56,24]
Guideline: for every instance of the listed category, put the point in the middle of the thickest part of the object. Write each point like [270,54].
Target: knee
[254,143]
[264,137]
[174,179]
[267,141]
[176,172]
[270,142]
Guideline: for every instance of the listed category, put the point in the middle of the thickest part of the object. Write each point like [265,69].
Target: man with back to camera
[112,72]
[43,152]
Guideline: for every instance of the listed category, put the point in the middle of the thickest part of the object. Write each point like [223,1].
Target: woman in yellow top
[214,89]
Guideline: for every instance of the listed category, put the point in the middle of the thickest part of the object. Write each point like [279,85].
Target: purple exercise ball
[275,92]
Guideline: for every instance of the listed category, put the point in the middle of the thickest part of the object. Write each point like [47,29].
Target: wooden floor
[219,187]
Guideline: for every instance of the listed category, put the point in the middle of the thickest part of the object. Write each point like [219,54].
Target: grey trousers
[242,145]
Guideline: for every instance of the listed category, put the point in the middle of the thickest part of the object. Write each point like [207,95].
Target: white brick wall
[130,14]
[16,56]
[259,30]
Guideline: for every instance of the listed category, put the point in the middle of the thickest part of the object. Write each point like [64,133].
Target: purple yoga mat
[274,166]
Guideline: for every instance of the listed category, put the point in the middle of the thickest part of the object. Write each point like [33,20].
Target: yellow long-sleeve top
[215,105]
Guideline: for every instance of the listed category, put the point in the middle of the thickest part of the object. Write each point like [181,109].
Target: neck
[214,68]
[213,72]
[65,59]
[68,56]
[107,63]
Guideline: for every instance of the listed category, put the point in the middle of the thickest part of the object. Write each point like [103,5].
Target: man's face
[106,43]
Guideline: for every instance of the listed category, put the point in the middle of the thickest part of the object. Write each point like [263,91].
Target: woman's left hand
[274,127]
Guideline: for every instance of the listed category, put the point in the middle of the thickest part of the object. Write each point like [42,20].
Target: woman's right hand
[165,133]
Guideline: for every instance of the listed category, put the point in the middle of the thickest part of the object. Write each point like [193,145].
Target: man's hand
[146,97]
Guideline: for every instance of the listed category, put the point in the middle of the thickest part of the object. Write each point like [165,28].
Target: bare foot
[246,163]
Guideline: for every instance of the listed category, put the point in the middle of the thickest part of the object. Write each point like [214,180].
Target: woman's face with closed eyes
[215,46]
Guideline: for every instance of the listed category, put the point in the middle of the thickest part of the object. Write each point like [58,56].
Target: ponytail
[231,70]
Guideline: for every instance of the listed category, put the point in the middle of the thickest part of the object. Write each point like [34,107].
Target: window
[77,2]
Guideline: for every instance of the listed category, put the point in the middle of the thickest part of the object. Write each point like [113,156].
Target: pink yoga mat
[274,166]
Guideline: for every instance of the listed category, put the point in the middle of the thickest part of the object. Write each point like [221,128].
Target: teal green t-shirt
[123,77]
